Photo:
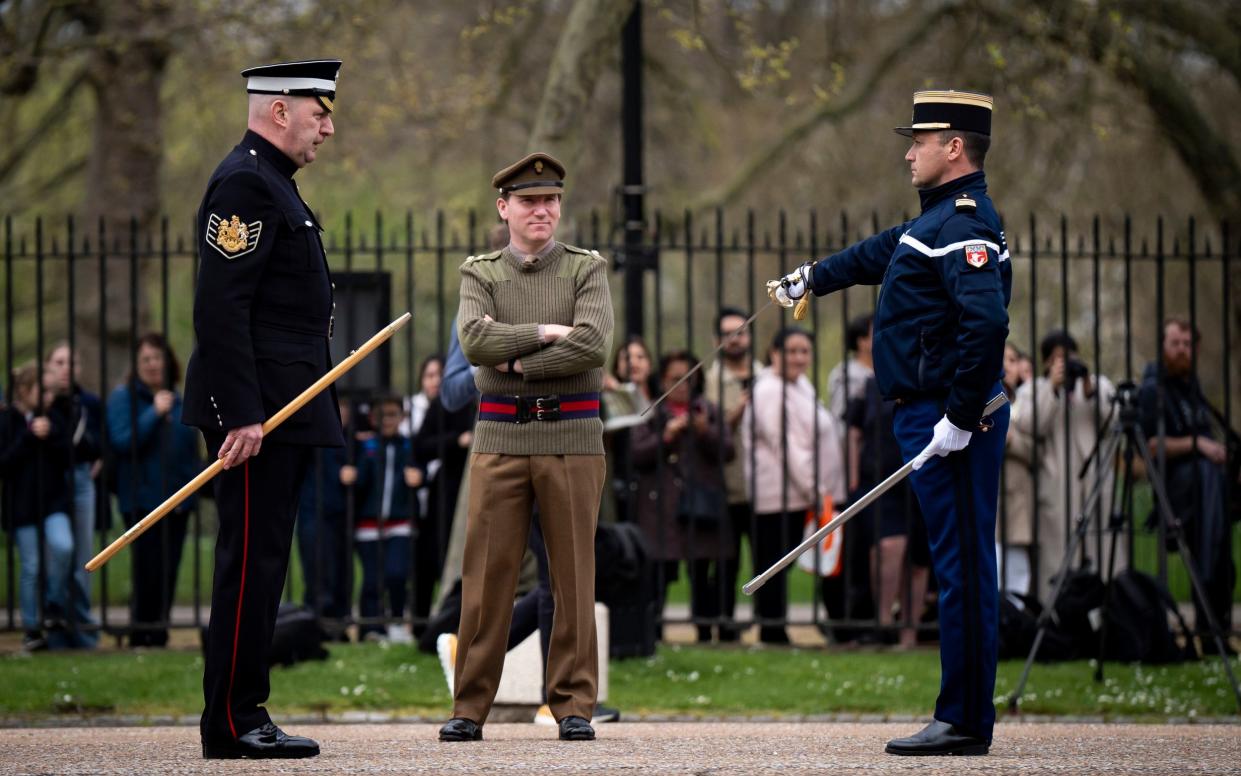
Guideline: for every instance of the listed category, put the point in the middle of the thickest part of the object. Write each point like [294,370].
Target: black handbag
[701,504]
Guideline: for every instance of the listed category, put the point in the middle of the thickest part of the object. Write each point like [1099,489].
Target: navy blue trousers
[257,505]
[384,568]
[959,495]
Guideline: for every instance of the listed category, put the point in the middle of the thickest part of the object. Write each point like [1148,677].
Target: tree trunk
[590,37]
[122,188]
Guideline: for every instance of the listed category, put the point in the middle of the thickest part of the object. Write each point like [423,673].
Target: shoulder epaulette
[578,262]
[485,256]
[582,251]
[966,204]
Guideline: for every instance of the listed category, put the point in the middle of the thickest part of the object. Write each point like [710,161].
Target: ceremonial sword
[798,313]
[754,584]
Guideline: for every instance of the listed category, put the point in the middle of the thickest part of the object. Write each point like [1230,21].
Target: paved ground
[677,748]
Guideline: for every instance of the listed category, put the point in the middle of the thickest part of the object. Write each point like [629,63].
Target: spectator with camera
[684,515]
[1063,411]
[1177,416]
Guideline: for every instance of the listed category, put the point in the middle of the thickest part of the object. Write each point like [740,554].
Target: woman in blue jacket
[155,455]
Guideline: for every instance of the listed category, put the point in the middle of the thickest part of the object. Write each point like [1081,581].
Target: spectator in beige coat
[1014,530]
[788,431]
[1059,411]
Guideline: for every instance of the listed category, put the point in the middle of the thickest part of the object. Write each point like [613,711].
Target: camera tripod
[1123,428]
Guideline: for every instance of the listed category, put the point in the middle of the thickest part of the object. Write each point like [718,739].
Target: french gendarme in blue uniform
[262,319]
[939,331]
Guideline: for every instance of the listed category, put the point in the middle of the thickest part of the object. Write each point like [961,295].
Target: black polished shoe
[266,742]
[461,729]
[576,729]
[938,738]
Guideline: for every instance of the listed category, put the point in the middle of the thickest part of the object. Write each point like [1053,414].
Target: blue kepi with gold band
[950,109]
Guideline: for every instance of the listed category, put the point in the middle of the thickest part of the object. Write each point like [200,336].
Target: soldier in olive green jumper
[536,317]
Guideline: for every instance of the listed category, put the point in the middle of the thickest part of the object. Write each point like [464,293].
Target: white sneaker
[399,633]
[544,716]
[446,648]
[602,714]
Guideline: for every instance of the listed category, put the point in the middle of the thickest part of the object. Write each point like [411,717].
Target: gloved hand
[946,438]
[793,286]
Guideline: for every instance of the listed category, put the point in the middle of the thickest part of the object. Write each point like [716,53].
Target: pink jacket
[761,428]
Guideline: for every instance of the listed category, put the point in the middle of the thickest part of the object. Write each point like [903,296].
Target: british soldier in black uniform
[263,318]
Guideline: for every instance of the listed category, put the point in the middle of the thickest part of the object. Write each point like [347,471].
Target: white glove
[946,438]
[793,286]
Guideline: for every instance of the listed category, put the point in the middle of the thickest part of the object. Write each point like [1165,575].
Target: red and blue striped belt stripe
[526,409]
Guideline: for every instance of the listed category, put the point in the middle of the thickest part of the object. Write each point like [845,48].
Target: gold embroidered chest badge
[232,235]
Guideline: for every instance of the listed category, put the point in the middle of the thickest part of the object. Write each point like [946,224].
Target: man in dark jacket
[1177,417]
[262,318]
[34,465]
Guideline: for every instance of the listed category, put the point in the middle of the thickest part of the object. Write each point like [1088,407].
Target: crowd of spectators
[747,452]
[740,459]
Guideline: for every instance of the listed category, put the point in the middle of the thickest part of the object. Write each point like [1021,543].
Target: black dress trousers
[257,504]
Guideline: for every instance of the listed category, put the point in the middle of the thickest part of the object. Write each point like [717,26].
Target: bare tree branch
[588,38]
[1215,36]
[509,66]
[830,111]
[22,196]
[1205,153]
[18,152]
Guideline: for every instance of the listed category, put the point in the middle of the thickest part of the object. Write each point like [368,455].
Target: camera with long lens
[1074,370]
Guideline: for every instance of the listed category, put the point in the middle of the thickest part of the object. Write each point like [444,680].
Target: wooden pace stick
[754,584]
[138,528]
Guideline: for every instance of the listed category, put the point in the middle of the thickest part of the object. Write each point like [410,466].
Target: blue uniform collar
[253,141]
[933,196]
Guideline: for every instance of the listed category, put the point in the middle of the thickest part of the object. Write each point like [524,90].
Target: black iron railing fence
[1110,283]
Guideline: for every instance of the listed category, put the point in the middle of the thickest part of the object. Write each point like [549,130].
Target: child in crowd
[322,534]
[384,480]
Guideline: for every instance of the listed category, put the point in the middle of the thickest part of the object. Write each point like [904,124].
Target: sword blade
[709,356]
[997,401]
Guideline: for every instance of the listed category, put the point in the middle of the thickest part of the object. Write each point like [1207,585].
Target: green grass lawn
[678,680]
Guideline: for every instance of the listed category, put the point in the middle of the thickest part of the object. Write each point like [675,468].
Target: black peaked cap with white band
[311,78]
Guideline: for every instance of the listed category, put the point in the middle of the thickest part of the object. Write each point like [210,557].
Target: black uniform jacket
[263,303]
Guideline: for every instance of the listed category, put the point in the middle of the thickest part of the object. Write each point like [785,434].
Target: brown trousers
[503,491]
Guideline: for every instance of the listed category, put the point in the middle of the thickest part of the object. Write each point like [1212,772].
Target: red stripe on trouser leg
[245,550]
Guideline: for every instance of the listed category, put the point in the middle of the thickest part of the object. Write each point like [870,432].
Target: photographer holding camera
[1058,410]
